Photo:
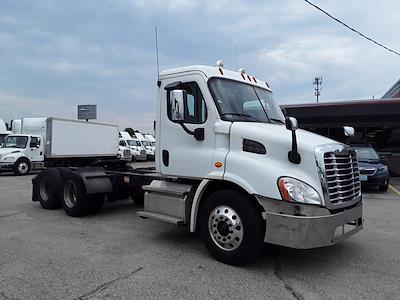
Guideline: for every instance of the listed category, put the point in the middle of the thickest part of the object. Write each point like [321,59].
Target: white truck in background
[151,140]
[146,144]
[42,142]
[230,166]
[3,131]
[137,150]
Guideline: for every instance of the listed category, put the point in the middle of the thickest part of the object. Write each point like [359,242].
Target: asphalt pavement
[117,255]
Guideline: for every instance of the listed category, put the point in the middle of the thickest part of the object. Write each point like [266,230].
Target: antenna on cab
[158,66]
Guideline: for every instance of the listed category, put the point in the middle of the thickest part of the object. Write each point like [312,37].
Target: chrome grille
[142,152]
[342,176]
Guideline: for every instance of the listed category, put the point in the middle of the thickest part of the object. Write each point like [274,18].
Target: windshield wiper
[277,120]
[241,115]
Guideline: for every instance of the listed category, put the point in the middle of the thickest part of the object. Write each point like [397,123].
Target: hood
[6,151]
[277,141]
[269,134]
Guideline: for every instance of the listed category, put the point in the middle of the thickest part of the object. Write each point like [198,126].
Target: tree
[131,131]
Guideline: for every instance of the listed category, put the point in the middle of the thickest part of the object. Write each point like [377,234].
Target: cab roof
[209,72]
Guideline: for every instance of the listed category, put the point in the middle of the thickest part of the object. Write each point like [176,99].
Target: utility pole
[318,83]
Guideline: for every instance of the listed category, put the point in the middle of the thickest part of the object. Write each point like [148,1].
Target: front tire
[22,167]
[231,227]
[384,187]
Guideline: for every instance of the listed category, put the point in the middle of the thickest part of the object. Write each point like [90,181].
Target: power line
[352,29]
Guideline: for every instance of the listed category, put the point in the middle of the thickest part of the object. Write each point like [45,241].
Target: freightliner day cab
[230,166]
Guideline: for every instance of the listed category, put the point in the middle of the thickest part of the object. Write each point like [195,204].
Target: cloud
[55,55]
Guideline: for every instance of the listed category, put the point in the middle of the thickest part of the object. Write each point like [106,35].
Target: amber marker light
[282,189]
[218,164]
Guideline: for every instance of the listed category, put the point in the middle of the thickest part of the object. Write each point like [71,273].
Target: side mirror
[177,98]
[291,123]
[348,131]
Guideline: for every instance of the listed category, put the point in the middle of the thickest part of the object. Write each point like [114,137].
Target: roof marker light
[220,64]
[267,84]
[221,71]
[254,79]
[248,76]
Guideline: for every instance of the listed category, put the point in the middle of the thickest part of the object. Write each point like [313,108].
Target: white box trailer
[43,142]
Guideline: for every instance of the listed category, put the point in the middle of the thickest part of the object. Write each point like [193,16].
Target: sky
[56,54]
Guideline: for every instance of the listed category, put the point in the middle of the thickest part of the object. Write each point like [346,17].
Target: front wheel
[22,166]
[231,227]
[384,187]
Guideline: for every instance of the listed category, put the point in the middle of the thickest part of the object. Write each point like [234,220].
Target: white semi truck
[146,144]
[137,150]
[46,142]
[230,166]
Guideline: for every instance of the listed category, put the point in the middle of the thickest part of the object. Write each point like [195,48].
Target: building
[376,122]
[393,92]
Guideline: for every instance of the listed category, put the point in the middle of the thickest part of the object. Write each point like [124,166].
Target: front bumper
[319,229]
[6,165]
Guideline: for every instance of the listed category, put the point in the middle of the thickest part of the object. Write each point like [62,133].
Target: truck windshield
[238,101]
[15,142]
[131,142]
[146,143]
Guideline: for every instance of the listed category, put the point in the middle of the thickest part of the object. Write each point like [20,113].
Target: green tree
[131,131]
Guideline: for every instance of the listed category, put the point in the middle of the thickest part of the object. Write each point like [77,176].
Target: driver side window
[187,104]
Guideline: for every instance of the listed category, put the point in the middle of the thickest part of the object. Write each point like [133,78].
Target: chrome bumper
[305,232]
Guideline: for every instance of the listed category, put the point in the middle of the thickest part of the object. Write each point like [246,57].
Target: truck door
[35,150]
[187,138]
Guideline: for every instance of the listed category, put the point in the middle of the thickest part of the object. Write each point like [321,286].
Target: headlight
[294,190]
[9,158]
[383,169]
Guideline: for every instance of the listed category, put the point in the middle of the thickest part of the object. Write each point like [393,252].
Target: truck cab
[243,170]
[137,150]
[21,153]
[146,145]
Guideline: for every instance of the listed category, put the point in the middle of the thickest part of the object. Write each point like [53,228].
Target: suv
[373,170]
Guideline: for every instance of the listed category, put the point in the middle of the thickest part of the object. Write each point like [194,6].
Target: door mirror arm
[292,125]
[198,133]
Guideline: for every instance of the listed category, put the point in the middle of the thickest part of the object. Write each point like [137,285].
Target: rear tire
[49,183]
[231,227]
[74,199]
[22,167]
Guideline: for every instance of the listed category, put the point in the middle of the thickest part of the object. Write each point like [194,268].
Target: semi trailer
[228,165]
[50,142]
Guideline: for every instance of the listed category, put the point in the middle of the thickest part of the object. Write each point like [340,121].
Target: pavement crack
[10,215]
[281,276]
[106,285]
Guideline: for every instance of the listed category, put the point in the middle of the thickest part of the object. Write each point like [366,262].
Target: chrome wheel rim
[225,228]
[70,194]
[44,189]
[23,167]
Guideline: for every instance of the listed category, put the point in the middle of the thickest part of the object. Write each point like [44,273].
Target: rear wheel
[231,227]
[49,183]
[22,166]
[74,199]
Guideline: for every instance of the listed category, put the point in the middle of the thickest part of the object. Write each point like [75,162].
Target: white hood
[270,166]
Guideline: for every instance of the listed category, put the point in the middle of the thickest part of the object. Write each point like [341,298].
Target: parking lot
[117,255]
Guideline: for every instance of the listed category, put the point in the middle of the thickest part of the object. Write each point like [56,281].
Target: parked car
[373,169]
